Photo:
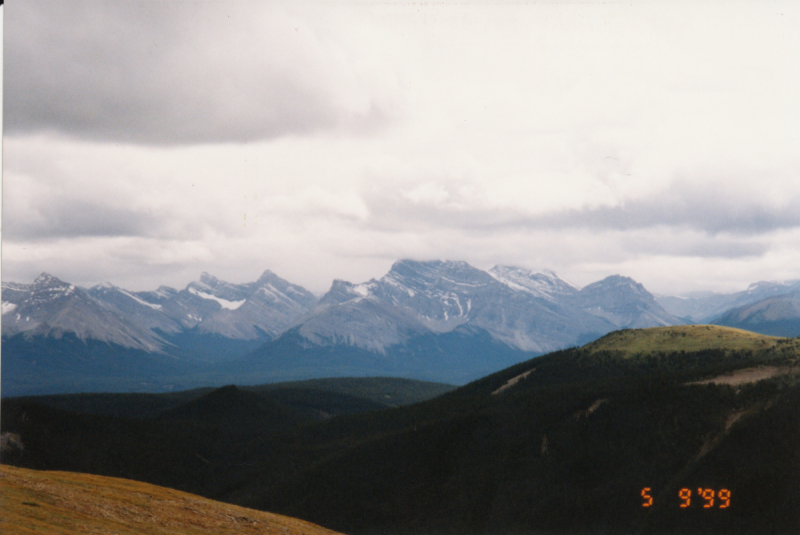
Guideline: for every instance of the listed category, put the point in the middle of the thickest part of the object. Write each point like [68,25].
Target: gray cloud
[694,245]
[707,209]
[75,218]
[703,207]
[155,73]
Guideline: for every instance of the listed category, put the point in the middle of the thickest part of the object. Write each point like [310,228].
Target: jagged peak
[267,275]
[617,283]
[206,283]
[340,286]
[342,291]
[616,280]
[43,277]
[207,278]
[45,280]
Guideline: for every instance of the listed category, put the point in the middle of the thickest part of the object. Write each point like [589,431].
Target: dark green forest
[566,448]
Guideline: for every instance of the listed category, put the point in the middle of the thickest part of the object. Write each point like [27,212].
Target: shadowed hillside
[562,443]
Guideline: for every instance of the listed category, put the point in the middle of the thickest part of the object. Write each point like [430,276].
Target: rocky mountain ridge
[532,311]
[140,320]
[705,307]
[521,308]
[434,320]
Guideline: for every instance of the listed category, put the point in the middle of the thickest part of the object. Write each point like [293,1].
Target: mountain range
[437,320]
[705,307]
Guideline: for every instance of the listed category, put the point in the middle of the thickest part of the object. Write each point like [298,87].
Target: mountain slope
[625,303]
[456,357]
[705,307]
[50,307]
[58,337]
[545,284]
[779,316]
[240,311]
[136,310]
[66,503]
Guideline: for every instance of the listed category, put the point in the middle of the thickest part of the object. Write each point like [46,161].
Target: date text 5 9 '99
[708,497]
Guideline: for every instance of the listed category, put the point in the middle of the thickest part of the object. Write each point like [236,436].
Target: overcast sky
[146,142]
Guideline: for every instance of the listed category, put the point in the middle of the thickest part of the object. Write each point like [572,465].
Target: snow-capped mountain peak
[45,279]
[48,288]
[240,311]
[51,307]
[142,319]
[47,282]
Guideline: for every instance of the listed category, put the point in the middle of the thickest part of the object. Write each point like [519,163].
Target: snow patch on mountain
[8,307]
[224,303]
[140,301]
[361,289]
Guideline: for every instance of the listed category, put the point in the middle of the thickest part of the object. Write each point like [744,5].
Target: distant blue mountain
[777,316]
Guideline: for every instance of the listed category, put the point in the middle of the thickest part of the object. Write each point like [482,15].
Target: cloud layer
[156,140]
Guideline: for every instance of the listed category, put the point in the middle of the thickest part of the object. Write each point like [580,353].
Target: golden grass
[686,338]
[38,502]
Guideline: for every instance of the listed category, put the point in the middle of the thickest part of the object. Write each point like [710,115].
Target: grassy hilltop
[686,338]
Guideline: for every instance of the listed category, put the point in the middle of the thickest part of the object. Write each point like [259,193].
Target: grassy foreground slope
[64,502]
